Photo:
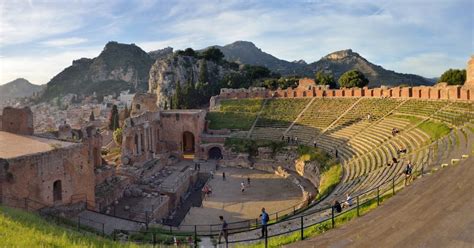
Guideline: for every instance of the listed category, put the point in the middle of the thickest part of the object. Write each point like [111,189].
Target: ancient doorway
[215,153]
[188,142]
[57,191]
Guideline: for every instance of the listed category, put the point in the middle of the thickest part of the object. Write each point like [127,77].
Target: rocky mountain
[18,88]
[165,74]
[118,67]
[336,63]
[339,62]
[245,52]
[161,53]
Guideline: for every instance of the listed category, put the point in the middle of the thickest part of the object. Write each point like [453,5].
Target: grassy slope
[235,114]
[23,229]
[435,130]
[329,180]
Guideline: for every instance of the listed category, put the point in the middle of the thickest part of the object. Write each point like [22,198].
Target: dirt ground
[266,190]
[435,211]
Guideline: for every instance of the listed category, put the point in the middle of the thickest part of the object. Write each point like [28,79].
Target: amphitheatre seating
[421,108]
[235,114]
[320,114]
[277,115]
[456,113]
[376,108]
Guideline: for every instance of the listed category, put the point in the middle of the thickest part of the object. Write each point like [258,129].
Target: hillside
[23,229]
[18,88]
[336,63]
[118,67]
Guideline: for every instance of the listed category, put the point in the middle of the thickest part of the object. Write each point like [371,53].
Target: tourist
[190,241]
[404,150]
[212,174]
[264,218]
[337,206]
[348,202]
[314,144]
[199,166]
[288,139]
[408,172]
[394,160]
[368,117]
[195,166]
[296,140]
[224,230]
[283,138]
[242,187]
[206,191]
[336,153]
[248,181]
[223,176]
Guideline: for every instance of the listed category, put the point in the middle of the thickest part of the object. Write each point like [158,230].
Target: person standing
[242,187]
[223,176]
[248,181]
[224,230]
[264,218]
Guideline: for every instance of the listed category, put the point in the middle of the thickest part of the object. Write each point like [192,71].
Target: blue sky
[38,39]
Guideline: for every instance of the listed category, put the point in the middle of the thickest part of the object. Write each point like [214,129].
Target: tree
[256,71]
[91,116]
[453,77]
[203,76]
[353,78]
[114,119]
[126,113]
[213,54]
[117,135]
[322,78]
[177,97]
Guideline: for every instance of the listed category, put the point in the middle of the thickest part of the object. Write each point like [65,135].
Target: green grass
[329,180]
[410,118]
[235,114]
[231,120]
[22,229]
[435,130]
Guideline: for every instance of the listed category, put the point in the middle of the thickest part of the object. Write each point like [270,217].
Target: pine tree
[126,112]
[92,117]
[114,118]
[177,97]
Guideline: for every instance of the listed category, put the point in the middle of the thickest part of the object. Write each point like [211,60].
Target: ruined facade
[44,170]
[175,132]
[470,74]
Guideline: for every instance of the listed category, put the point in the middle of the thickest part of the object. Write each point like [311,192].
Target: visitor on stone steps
[348,201]
[223,176]
[314,144]
[288,139]
[242,187]
[337,206]
[408,172]
[212,174]
[264,219]
[248,181]
[224,229]
[336,153]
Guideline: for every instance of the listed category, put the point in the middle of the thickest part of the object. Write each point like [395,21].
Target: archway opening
[215,153]
[57,191]
[188,142]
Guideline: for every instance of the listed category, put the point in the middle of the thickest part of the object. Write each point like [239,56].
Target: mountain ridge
[18,88]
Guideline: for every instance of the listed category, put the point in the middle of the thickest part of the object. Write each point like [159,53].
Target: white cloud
[429,64]
[64,42]
[40,69]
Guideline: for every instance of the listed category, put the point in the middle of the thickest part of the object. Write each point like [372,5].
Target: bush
[353,78]
[453,77]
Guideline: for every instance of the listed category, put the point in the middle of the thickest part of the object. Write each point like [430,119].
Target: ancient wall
[470,73]
[33,176]
[151,133]
[305,89]
[143,102]
[17,120]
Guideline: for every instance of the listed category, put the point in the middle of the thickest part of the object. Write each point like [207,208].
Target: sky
[38,39]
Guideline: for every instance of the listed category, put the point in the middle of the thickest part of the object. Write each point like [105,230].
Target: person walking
[408,172]
[223,176]
[264,218]
[248,181]
[242,187]
[224,230]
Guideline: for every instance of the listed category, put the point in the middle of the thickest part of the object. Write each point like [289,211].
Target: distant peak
[341,55]
[301,62]
[242,43]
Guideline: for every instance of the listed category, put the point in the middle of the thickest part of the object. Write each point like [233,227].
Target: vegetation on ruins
[23,229]
[250,146]
[435,130]
[282,82]
[353,78]
[322,78]
[453,77]
[118,135]
[114,118]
